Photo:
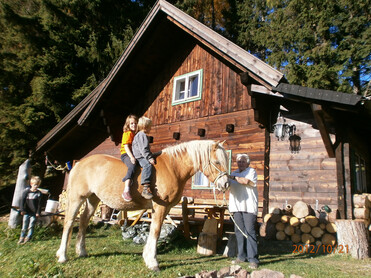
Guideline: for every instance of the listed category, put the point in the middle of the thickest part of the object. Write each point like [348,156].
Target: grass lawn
[111,256]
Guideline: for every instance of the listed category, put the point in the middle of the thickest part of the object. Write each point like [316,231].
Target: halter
[221,173]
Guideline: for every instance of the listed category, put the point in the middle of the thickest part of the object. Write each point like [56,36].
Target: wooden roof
[164,29]
[203,33]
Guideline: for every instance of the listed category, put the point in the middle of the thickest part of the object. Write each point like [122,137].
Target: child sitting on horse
[130,128]
[142,153]
[30,209]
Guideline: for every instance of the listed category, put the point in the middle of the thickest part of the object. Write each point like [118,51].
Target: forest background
[55,52]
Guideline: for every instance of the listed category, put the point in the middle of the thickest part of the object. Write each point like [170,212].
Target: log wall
[308,176]
[222,90]
[224,101]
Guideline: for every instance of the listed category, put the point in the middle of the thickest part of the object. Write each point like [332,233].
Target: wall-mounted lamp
[150,139]
[281,129]
[229,128]
[295,143]
[201,132]
[176,135]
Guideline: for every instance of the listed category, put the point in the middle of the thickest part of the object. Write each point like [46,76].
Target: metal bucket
[51,206]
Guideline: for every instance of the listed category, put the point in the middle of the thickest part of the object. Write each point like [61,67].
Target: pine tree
[320,44]
[52,54]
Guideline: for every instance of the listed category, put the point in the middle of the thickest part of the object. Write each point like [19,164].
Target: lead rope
[230,214]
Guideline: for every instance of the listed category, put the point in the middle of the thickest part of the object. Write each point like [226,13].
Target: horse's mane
[199,151]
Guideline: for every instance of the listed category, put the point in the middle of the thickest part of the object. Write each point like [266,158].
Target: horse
[99,177]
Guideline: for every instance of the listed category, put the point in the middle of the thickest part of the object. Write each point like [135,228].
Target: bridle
[220,173]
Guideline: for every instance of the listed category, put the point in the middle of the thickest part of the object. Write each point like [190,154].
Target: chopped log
[298,231]
[276,211]
[300,209]
[331,227]
[288,209]
[267,217]
[302,220]
[328,239]
[294,221]
[354,235]
[307,238]
[323,217]
[311,220]
[289,230]
[322,226]
[285,218]
[305,228]
[280,226]
[280,235]
[317,232]
[231,248]
[361,201]
[318,242]
[207,244]
[296,238]
[210,226]
[275,218]
[361,213]
[268,230]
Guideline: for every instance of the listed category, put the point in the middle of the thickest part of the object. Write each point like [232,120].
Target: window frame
[209,185]
[186,78]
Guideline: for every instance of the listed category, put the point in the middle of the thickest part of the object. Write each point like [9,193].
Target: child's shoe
[27,239]
[146,194]
[21,240]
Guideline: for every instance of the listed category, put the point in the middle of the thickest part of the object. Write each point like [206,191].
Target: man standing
[243,204]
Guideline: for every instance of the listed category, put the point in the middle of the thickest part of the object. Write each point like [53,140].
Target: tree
[52,54]
[320,44]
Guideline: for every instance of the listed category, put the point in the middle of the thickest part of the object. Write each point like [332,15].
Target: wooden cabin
[195,84]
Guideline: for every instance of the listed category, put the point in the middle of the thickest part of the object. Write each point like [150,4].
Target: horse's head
[216,169]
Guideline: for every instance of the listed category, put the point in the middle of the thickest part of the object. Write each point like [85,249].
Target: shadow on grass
[272,251]
[172,263]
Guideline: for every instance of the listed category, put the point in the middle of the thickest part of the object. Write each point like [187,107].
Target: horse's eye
[217,162]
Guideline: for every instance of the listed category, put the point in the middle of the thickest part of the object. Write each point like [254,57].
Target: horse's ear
[222,143]
[216,144]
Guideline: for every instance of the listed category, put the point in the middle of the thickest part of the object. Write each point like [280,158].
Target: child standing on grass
[142,153]
[30,209]
[130,128]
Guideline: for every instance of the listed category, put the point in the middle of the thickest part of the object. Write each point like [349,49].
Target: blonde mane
[199,152]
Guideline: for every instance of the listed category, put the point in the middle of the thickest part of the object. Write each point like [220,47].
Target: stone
[266,273]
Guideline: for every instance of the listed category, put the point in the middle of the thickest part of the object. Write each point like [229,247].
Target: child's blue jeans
[146,171]
[29,221]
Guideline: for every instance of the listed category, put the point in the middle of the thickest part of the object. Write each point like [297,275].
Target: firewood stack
[300,224]
[362,205]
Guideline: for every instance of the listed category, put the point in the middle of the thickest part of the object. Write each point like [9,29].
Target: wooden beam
[347,181]
[325,134]
[262,90]
[266,172]
[340,181]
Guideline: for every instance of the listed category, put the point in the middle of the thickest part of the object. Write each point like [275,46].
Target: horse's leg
[74,205]
[150,251]
[91,205]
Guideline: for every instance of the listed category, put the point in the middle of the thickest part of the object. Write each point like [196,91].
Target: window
[358,173]
[187,87]
[200,181]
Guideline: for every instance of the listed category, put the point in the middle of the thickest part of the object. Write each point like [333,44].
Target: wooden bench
[187,214]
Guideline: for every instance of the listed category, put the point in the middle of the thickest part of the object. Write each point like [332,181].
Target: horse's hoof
[62,260]
[155,268]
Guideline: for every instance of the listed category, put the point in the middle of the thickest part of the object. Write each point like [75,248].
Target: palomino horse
[98,177]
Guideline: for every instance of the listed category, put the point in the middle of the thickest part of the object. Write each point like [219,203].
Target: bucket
[51,206]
